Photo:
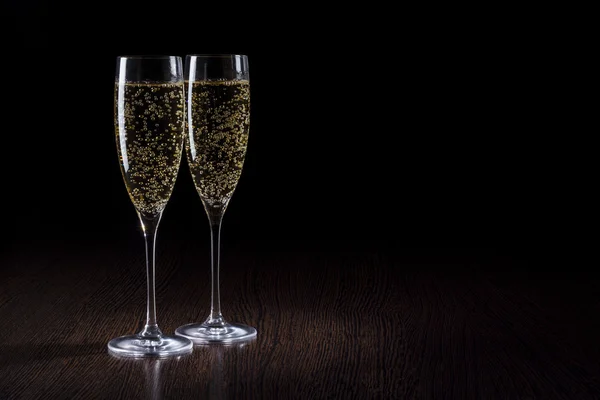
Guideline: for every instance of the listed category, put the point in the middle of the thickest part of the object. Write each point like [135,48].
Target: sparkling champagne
[217,138]
[149,120]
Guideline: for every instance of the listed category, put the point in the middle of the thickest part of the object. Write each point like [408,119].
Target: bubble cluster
[217,137]
[149,121]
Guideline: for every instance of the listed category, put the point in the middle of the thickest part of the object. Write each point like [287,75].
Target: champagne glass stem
[216,318]
[150,227]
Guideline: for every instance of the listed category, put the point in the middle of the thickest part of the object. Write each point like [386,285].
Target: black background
[418,128]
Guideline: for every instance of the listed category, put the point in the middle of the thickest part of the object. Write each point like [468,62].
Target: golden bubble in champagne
[217,137]
[149,120]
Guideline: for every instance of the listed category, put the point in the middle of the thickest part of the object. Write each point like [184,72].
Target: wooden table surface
[334,321]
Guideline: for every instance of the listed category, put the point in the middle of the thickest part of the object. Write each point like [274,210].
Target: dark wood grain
[333,322]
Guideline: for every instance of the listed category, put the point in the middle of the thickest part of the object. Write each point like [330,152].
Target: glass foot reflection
[137,346]
[225,334]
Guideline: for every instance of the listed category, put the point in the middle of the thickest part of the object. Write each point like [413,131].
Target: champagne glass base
[137,346]
[205,334]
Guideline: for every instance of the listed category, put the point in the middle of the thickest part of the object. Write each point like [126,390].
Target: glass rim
[147,57]
[217,55]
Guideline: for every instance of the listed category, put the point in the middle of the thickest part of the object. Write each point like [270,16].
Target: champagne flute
[218,109]
[149,127]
